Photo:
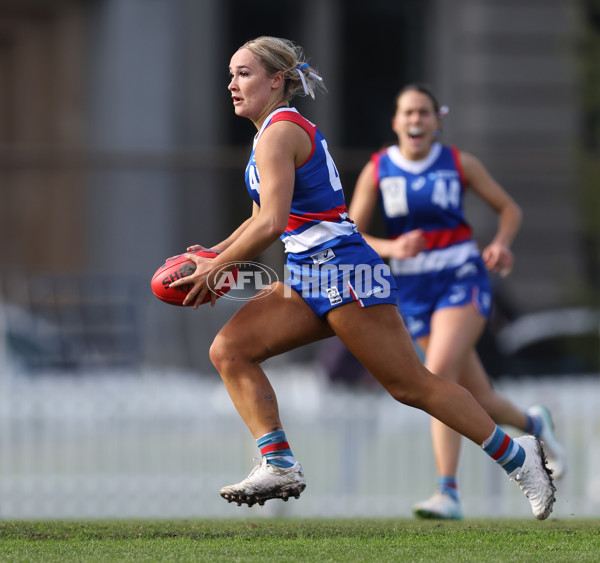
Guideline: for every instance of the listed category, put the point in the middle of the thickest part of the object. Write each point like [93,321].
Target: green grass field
[301,540]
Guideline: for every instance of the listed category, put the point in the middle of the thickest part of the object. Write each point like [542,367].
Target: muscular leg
[476,380]
[454,333]
[377,336]
[262,328]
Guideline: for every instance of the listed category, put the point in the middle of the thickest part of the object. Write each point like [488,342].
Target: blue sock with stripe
[504,450]
[447,486]
[275,448]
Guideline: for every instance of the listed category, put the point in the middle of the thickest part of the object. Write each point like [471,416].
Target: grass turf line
[300,540]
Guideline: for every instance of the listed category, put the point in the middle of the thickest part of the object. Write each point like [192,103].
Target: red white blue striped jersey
[425,194]
[318,215]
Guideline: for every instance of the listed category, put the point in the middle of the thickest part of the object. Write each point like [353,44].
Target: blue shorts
[348,271]
[420,295]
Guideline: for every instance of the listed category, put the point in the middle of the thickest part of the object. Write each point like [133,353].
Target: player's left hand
[199,281]
[407,244]
[498,258]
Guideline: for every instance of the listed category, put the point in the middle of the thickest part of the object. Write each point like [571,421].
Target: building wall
[508,72]
[41,126]
[118,146]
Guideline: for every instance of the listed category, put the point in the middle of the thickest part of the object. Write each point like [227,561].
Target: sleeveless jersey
[318,215]
[428,195]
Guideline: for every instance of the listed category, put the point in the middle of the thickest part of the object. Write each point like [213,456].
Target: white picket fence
[160,445]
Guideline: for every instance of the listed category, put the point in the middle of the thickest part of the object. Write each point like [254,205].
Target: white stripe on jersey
[317,235]
[415,167]
[435,260]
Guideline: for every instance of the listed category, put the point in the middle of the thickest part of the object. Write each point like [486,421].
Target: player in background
[337,285]
[443,286]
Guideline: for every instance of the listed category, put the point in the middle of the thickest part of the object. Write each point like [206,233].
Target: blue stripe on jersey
[425,194]
[317,186]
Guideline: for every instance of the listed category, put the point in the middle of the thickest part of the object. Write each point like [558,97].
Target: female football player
[444,291]
[337,284]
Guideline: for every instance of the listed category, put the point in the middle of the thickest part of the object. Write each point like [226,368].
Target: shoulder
[280,135]
[367,179]
[466,159]
[384,154]
[284,139]
[292,116]
[383,151]
[289,120]
[371,164]
[473,170]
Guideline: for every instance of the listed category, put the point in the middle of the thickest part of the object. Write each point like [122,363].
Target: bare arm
[497,255]
[228,241]
[362,207]
[275,160]
[279,149]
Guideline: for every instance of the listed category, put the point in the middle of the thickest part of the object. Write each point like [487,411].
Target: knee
[449,372]
[222,353]
[487,402]
[424,390]
[412,397]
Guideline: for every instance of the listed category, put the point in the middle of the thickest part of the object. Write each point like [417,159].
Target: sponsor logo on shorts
[377,289]
[323,256]
[468,269]
[458,294]
[334,295]
[414,326]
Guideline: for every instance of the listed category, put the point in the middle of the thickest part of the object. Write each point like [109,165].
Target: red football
[180,267]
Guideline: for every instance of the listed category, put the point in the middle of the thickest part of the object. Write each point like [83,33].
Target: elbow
[512,213]
[275,229]
[270,226]
[518,215]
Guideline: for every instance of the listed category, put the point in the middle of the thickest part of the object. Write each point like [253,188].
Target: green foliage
[301,540]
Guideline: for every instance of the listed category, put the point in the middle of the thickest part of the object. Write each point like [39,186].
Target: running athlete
[337,285]
[444,292]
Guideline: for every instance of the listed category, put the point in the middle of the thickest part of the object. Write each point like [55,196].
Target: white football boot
[534,477]
[440,507]
[266,481]
[557,457]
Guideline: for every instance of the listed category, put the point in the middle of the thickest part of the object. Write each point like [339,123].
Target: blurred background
[119,147]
